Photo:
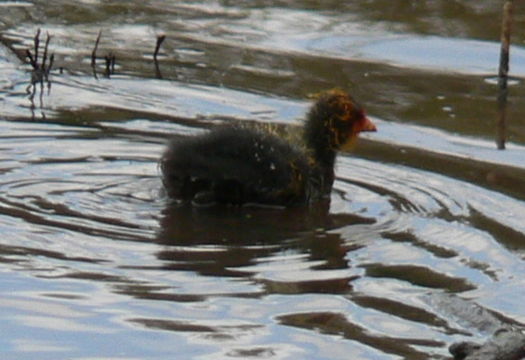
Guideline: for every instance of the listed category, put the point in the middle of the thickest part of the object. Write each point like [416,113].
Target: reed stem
[506,28]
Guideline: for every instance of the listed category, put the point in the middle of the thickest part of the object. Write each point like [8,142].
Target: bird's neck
[317,140]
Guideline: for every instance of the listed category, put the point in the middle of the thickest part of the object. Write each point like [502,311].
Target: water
[421,244]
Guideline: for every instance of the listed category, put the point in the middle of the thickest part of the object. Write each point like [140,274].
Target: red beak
[366,125]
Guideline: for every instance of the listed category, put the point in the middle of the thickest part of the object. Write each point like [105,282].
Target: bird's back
[238,165]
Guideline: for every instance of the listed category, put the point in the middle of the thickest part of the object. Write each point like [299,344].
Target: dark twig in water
[51,60]
[31,59]
[113,61]
[109,59]
[503,74]
[40,73]
[94,52]
[110,64]
[44,57]
[160,40]
[40,70]
[37,45]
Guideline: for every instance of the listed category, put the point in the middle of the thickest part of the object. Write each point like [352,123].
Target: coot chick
[237,165]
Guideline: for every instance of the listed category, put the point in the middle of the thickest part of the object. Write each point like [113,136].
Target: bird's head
[341,118]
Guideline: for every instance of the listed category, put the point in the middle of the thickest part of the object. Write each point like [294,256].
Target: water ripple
[420,245]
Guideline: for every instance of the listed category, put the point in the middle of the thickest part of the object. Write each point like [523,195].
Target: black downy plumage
[237,165]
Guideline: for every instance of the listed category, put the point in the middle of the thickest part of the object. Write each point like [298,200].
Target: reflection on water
[421,244]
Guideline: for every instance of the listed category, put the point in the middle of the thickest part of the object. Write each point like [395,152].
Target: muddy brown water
[421,245]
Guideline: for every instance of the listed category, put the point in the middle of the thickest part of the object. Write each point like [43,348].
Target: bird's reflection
[218,239]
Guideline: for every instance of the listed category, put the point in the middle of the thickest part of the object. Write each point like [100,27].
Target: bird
[237,165]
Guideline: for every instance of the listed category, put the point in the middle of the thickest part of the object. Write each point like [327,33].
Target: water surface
[421,244]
